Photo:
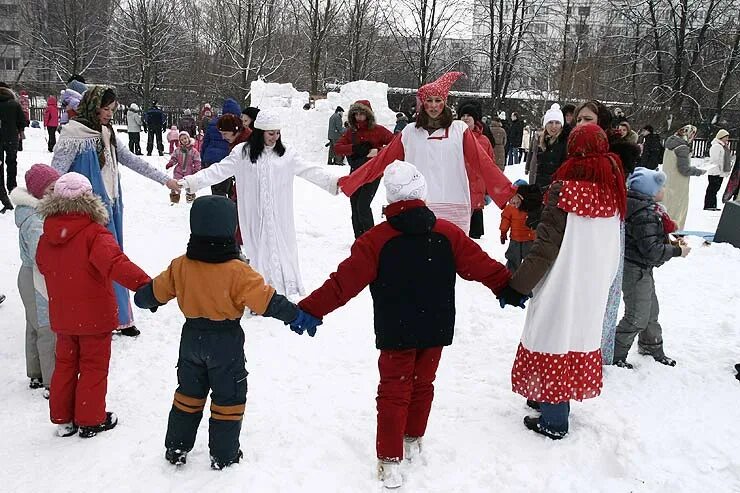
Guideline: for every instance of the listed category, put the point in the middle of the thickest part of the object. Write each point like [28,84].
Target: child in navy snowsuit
[213,286]
[410,262]
[647,246]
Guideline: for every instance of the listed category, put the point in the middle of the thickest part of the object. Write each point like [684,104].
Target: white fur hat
[267,120]
[554,114]
[404,182]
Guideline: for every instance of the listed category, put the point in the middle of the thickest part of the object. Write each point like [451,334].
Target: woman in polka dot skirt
[569,270]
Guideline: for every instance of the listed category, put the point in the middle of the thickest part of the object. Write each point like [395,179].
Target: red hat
[440,87]
[364,102]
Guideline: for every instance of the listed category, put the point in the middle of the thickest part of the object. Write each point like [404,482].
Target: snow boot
[533,404]
[35,383]
[46,394]
[111,420]
[66,430]
[533,423]
[620,363]
[2,298]
[665,360]
[130,331]
[389,471]
[411,448]
[218,464]
[176,456]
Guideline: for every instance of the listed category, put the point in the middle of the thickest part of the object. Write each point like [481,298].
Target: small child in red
[411,262]
[522,236]
[79,259]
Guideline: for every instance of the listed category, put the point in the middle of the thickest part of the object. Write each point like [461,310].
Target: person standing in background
[514,136]
[155,124]
[499,142]
[720,156]
[652,149]
[678,169]
[51,121]
[187,123]
[336,129]
[26,106]
[134,126]
[12,123]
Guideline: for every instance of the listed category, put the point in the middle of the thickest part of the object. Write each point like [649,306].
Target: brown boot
[174,197]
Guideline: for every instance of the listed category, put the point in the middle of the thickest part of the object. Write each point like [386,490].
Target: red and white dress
[559,356]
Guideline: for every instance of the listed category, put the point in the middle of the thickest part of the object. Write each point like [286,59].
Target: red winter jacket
[51,113]
[79,259]
[475,179]
[378,136]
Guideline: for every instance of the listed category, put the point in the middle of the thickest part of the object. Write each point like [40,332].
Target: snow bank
[306,130]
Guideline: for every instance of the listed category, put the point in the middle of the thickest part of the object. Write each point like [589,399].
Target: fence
[119,118]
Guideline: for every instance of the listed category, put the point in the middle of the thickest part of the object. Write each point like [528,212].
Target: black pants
[476,224]
[154,132]
[52,137]
[134,143]
[362,215]
[9,157]
[710,197]
[211,358]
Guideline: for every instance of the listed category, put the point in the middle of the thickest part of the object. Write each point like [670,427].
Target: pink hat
[72,185]
[440,87]
[39,177]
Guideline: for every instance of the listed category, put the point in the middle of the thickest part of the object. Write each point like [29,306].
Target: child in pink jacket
[186,160]
[172,137]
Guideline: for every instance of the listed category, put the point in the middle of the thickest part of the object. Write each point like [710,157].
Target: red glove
[503,238]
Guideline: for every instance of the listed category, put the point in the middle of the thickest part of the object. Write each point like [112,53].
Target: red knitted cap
[440,87]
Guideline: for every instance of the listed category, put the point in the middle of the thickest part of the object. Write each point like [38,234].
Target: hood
[637,201]
[364,107]
[410,217]
[87,204]
[231,106]
[134,107]
[6,94]
[25,205]
[675,141]
[51,101]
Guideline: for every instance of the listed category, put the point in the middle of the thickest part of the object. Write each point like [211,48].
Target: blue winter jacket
[215,148]
[155,119]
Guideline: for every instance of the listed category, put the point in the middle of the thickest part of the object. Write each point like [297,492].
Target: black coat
[514,133]
[155,119]
[12,118]
[652,152]
[646,243]
[549,160]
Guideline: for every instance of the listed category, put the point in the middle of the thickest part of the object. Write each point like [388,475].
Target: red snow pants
[80,379]
[405,396]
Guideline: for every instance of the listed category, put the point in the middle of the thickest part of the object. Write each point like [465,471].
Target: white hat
[554,114]
[404,182]
[267,120]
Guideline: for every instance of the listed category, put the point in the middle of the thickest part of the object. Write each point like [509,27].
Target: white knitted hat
[404,182]
[554,114]
[267,120]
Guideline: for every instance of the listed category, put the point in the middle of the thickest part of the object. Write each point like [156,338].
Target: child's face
[659,196]
[184,139]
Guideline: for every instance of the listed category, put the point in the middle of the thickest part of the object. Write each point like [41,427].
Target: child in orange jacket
[522,236]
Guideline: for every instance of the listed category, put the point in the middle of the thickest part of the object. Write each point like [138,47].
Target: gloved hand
[503,238]
[510,296]
[328,144]
[362,149]
[531,197]
[487,199]
[305,322]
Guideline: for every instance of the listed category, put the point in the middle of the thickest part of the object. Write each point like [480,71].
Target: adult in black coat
[652,148]
[12,123]
[514,134]
[155,122]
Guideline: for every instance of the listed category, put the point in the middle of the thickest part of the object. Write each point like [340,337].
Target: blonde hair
[544,137]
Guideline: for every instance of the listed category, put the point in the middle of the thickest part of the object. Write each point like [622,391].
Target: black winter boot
[176,456]
[533,404]
[218,464]
[111,420]
[130,331]
[665,360]
[623,364]
[533,423]
[737,369]
[35,383]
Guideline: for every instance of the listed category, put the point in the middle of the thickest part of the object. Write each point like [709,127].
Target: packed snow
[310,417]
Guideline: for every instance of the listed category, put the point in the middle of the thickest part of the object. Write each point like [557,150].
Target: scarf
[87,114]
[669,225]
[212,249]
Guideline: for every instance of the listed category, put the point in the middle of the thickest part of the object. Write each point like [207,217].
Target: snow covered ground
[310,419]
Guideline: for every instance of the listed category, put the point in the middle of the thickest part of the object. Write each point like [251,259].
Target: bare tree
[362,36]
[315,19]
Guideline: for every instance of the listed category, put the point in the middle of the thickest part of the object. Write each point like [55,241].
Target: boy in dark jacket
[79,258]
[410,262]
[213,286]
[647,245]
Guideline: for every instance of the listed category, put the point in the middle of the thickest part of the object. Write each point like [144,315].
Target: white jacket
[717,160]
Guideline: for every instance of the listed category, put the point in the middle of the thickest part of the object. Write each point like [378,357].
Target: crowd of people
[592,180]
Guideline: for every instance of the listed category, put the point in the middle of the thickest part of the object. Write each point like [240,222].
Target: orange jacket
[514,219]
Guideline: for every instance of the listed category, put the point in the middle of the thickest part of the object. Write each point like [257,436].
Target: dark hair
[109,96]
[445,119]
[603,115]
[3,84]
[339,110]
[569,108]
[256,144]
[649,128]
[229,123]
[76,77]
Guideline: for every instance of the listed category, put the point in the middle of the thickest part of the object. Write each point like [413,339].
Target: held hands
[304,322]
[173,184]
[510,296]
[685,249]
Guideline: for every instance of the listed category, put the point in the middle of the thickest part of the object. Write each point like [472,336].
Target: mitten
[503,238]
[305,322]
[510,296]
[487,199]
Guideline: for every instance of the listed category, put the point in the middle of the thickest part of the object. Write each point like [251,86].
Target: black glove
[510,296]
[328,144]
[531,197]
[362,149]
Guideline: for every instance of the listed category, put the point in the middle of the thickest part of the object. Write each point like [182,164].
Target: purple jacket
[186,160]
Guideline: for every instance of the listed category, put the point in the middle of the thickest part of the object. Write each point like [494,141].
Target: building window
[9,63]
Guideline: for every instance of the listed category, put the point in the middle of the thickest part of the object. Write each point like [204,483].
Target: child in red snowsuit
[410,262]
[79,258]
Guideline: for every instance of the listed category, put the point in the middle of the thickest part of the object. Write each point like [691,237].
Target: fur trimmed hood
[88,204]
[6,94]
[364,107]
[22,197]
